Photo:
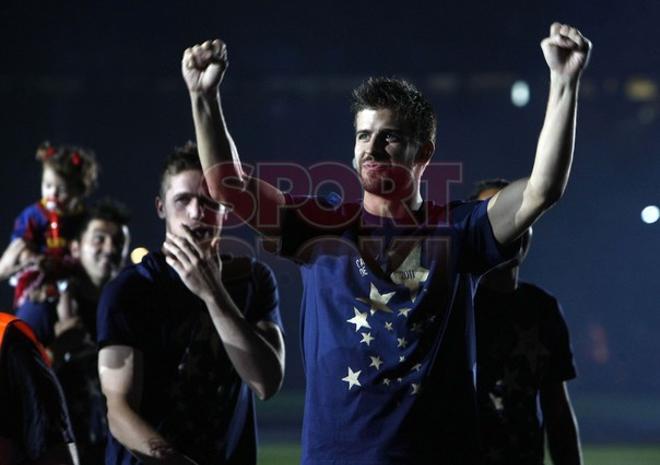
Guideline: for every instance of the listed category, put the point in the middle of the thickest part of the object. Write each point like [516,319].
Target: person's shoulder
[320,207]
[541,296]
[33,210]
[453,212]
[138,274]
[535,289]
[238,268]
[465,207]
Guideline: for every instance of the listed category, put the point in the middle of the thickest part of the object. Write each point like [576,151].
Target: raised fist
[566,51]
[203,66]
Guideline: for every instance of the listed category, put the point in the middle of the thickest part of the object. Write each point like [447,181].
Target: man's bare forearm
[217,150]
[560,425]
[258,361]
[140,438]
[554,152]
[517,206]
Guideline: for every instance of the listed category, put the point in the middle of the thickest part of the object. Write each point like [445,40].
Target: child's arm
[16,256]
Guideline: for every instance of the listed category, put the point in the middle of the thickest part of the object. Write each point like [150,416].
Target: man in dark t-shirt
[186,338]
[524,359]
[67,326]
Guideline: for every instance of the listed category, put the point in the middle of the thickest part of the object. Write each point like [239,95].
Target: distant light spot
[650,214]
[138,254]
[520,93]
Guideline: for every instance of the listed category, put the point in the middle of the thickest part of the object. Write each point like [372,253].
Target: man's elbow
[551,197]
[544,197]
[271,386]
[225,181]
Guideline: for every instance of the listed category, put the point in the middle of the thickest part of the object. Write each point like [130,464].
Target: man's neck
[503,280]
[391,207]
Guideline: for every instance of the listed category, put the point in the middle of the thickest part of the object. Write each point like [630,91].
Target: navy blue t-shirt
[191,393]
[522,345]
[388,330]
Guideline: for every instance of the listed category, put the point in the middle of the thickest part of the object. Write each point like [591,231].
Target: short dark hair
[402,98]
[181,159]
[485,184]
[106,209]
[76,165]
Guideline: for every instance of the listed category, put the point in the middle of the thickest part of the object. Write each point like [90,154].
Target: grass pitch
[289,454]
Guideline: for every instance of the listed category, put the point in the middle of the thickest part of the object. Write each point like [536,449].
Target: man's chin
[385,187]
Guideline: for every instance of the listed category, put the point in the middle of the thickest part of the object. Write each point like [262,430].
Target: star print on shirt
[404,312]
[376,362]
[411,273]
[401,342]
[377,301]
[352,378]
[388,326]
[497,402]
[529,346]
[366,338]
[359,320]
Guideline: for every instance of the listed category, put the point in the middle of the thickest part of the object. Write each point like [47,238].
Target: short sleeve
[120,316]
[267,301]
[26,225]
[306,218]
[561,366]
[480,250]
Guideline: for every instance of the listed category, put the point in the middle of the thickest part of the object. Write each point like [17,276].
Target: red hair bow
[50,151]
[75,158]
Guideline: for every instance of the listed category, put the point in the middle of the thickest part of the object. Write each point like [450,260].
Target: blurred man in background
[524,359]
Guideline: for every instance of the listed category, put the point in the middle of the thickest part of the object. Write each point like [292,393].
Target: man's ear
[74,248]
[160,210]
[425,152]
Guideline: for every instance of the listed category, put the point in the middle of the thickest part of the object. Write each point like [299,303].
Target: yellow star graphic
[352,378]
[377,301]
[411,273]
[376,362]
[366,338]
[359,320]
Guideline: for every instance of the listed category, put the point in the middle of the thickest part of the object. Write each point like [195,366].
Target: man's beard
[395,181]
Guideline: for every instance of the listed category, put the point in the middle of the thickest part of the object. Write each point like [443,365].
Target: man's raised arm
[203,67]
[518,205]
